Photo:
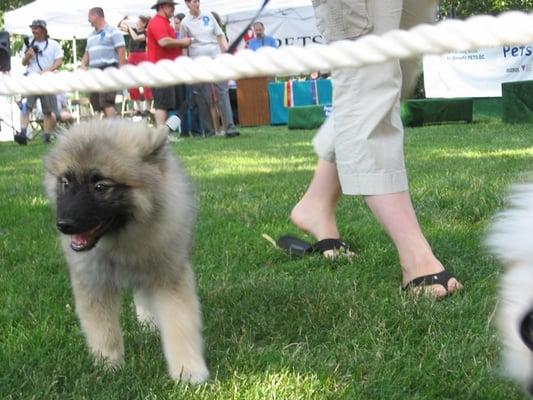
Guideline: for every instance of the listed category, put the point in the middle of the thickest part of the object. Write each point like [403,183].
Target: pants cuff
[374,184]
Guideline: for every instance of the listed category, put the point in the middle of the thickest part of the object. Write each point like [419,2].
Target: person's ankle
[419,262]
[319,223]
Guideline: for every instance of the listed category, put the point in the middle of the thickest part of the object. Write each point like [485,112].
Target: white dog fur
[510,238]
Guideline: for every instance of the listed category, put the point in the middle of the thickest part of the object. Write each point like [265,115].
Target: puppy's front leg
[179,321]
[143,309]
[98,311]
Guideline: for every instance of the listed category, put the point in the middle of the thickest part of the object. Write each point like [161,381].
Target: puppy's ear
[157,148]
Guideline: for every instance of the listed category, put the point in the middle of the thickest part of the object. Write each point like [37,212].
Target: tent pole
[74,51]
[75,65]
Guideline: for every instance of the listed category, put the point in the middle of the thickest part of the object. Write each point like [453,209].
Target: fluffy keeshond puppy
[510,238]
[125,212]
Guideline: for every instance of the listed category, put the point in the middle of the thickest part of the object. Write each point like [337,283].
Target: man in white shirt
[208,40]
[40,55]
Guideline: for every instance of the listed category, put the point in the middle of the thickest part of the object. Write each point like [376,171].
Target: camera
[31,45]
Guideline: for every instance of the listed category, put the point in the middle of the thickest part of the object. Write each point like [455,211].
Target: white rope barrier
[511,28]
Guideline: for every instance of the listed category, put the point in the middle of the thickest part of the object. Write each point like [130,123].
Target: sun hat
[161,2]
[38,22]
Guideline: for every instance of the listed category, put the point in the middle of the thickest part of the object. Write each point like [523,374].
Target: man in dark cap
[40,55]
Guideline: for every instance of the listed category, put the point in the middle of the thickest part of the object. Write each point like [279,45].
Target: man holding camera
[40,55]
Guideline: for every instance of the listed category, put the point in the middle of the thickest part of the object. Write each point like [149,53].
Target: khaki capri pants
[364,134]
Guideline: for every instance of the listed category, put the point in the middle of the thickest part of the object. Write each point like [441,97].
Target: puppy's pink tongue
[79,240]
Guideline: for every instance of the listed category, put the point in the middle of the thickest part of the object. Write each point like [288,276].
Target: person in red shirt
[161,44]
[137,55]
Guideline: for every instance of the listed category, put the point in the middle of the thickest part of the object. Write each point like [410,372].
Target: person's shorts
[168,98]
[102,100]
[48,102]
[364,135]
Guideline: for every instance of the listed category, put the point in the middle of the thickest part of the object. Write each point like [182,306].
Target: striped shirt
[102,46]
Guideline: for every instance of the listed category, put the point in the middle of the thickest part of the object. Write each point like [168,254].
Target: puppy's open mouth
[87,240]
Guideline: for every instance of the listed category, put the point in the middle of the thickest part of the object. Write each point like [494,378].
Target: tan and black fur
[125,210]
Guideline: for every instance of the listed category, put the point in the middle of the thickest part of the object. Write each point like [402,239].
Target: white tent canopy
[68,20]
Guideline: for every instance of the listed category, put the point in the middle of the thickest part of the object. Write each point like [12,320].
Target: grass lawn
[275,327]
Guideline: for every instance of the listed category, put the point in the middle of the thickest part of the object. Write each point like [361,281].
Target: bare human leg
[315,214]
[49,125]
[160,116]
[396,214]
[110,112]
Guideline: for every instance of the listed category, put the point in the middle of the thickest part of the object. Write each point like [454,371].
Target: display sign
[476,73]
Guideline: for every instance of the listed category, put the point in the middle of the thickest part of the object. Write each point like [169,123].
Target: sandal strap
[330,244]
[440,278]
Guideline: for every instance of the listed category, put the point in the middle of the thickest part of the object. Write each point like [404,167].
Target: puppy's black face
[89,206]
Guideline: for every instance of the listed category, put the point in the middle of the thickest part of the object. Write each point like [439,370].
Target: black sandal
[299,247]
[441,278]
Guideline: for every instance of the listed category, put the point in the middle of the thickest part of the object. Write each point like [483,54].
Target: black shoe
[232,134]
[46,138]
[21,139]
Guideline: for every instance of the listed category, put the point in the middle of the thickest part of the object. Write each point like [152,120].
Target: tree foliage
[9,5]
[16,40]
[467,8]
[462,8]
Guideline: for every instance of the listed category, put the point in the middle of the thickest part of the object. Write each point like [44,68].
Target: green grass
[275,327]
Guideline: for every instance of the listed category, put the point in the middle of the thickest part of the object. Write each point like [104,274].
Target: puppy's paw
[147,323]
[110,360]
[145,318]
[194,375]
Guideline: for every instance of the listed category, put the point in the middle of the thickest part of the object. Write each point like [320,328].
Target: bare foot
[315,219]
[319,221]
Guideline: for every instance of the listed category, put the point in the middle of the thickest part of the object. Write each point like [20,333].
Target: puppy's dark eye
[102,187]
[64,183]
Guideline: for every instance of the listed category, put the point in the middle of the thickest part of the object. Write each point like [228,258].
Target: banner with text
[477,73]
